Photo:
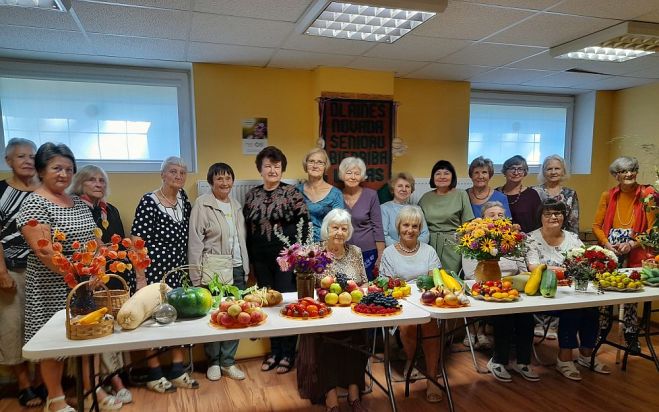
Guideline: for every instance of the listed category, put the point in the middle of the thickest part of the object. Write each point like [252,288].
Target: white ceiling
[494,44]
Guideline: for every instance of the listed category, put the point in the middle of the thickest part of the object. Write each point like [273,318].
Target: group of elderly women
[364,237]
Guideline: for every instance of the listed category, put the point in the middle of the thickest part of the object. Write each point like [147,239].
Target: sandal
[161,385]
[109,403]
[568,370]
[269,363]
[433,393]
[67,408]
[185,381]
[41,392]
[28,399]
[357,406]
[598,367]
[284,366]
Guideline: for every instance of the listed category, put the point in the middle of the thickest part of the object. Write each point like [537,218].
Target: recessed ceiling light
[57,5]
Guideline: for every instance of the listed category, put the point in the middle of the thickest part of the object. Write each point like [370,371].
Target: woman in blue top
[402,187]
[320,196]
[481,171]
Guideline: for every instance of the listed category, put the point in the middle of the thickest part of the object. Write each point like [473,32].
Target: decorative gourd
[533,285]
[190,302]
[548,284]
[139,307]
[518,281]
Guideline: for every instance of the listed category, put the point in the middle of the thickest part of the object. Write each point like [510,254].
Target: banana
[92,317]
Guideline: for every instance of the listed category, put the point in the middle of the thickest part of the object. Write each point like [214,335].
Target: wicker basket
[117,296]
[81,332]
[650,263]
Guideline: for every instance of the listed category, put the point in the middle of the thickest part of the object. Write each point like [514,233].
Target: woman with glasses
[320,196]
[551,177]
[619,218]
[523,201]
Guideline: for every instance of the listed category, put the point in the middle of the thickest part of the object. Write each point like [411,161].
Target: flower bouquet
[584,264]
[304,257]
[487,240]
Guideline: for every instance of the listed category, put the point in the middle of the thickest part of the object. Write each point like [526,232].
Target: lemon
[626,280]
[621,285]
[498,295]
[605,283]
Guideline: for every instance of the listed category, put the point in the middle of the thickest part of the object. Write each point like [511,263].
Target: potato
[274,297]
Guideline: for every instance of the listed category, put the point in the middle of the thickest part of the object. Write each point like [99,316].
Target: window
[502,125]
[122,119]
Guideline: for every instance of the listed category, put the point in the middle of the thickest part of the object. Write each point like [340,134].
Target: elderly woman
[319,375]
[445,208]
[481,171]
[402,187]
[619,218]
[217,230]
[364,207]
[162,220]
[554,172]
[523,201]
[273,204]
[320,196]
[409,258]
[53,209]
[548,245]
[19,156]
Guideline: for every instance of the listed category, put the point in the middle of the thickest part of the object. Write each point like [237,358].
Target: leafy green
[220,290]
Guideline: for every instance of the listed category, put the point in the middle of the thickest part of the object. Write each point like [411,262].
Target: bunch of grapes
[342,280]
[380,299]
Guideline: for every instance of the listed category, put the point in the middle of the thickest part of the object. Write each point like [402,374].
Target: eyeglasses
[516,170]
[353,173]
[552,214]
[316,162]
[624,172]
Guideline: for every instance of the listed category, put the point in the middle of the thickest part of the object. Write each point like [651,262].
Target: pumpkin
[190,302]
[548,284]
[139,307]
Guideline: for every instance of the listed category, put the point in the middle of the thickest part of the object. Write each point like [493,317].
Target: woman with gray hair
[554,172]
[364,207]
[481,171]
[523,201]
[162,219]
[402,187]
[620,216]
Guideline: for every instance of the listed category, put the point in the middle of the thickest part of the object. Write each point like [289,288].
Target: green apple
[335,288]
[356,296]
[331,298]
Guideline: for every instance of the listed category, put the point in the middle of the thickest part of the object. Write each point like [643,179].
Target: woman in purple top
[364,207]
[523,201]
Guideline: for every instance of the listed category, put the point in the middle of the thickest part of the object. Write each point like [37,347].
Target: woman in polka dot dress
[161,220]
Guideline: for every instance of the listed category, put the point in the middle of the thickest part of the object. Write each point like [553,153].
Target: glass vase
[580,285]
[488,269]
[305,282]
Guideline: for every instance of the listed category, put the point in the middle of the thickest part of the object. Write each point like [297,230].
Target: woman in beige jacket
[217,232]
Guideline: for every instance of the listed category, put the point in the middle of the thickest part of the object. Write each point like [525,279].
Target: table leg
[647,331]
[387,370]
[442,364]
[92,382]
[604,333]
[80,392]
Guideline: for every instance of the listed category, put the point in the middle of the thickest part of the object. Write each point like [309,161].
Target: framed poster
[255,134]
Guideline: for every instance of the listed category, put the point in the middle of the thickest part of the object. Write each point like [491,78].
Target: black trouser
[517,328]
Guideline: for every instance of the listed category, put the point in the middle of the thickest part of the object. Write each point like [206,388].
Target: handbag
[221,265]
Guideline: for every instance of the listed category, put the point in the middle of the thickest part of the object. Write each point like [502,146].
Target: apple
[256,316]
[226,320]
[245,306]
[335,288]
[321,294]
[214,315]
[374,289]
[326,282]
[224,306]
[244,318]
[351,285]
[234,310]
[345,298]
[356,295]
[331,298]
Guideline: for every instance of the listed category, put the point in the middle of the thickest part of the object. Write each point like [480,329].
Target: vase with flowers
[487,240]
[583,265]
[304,257]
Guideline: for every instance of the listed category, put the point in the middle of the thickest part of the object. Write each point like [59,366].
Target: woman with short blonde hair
[551,177]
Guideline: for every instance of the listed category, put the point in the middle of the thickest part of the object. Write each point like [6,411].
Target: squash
[518,281]
[139,307]
[533,285]
[548,284]
[190,302]
[449,281]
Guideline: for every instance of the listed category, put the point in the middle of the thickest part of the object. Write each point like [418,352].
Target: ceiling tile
[285,10]
[617,83]
[305,42]
[566,79]
[418,48]
[529,89]
[307,60]
[213,28]
[399,67]
[612,9]
[159,4]
[651,17]
[133,21]
[509,76]
[21,16]
[138,47]
[442,71]
[548,30]
[227,54]
[470,21]
[544,61]
[57,41]
[651,73]
[522,4]
[487,54]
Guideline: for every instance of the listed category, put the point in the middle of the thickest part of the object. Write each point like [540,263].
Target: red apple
[256,317]
[244,318]
[224,306]
[214,315]
[351,285]
[373,289]
[326,282]
[245,306]
[321,294]
[226,319]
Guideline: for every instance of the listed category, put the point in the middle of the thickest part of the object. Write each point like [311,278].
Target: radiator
[240,187]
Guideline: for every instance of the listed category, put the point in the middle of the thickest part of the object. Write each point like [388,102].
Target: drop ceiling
[494,44]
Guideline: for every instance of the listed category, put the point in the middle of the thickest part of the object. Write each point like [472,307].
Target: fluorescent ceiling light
[622,42]
[57,5]
[375,20]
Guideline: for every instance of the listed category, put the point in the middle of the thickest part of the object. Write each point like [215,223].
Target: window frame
[143,76]
[529,100]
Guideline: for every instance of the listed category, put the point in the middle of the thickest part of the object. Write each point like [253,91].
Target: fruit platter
[617,281]
[394,286]
[306,309]
[494,291]
[377,304]
[234,314]
[338,291]
[650,276]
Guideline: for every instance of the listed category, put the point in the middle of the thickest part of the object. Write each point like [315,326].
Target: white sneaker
[526,372]
[499,371]
[214,373]
[233,372]
[483,342]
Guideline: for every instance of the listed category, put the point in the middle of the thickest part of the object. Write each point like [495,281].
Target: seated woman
[409,258]
[547,245]
[318,373]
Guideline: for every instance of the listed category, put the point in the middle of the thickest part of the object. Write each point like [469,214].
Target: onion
[428,297]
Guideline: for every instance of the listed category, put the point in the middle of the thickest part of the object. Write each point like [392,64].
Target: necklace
[162,196]
[512,202]
[631,217]
[410,251]
[473,193]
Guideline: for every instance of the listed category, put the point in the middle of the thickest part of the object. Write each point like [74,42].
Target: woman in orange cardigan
[619,218]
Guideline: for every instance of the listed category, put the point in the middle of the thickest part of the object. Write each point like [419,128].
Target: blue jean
[584,322]
[370,256]
[223,353]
